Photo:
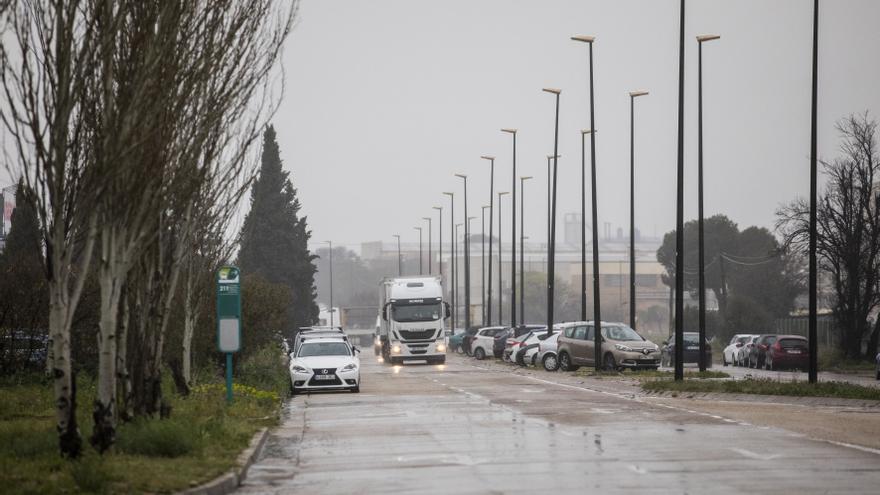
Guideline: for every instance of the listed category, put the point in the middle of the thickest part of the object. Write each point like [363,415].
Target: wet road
[468,428]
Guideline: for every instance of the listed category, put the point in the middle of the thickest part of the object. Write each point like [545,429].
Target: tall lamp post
[456,306]
[399,257]
[551,262]
[430,257]
[500,284]
[440,242]
[512,234]
[701,264]
[584,133]
[679,211]
[632,207]
[813,348]
[330,243]
[491,232]
[467,259]
[483,265]
[421,272]
[452,241]
[522,238]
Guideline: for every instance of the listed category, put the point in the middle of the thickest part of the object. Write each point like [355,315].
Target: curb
[791,400]
[229,482]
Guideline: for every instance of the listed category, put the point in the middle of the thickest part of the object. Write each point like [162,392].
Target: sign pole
[229,378]
[228,318]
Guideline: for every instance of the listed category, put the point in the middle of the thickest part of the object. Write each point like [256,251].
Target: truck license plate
[324,377]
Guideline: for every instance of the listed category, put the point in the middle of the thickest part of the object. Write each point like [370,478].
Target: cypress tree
[274,238]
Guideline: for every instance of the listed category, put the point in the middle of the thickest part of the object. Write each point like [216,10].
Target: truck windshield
[416,312]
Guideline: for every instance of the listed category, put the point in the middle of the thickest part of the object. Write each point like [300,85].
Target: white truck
[412,314]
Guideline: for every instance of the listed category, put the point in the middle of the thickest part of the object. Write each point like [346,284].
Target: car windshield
[403,312]
[309,349]
[620,332]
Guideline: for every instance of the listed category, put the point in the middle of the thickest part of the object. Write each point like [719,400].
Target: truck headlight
[441,347]
[395,349]
[349,367]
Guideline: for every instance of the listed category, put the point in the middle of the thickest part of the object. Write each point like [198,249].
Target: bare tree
[44,70]
[848,232]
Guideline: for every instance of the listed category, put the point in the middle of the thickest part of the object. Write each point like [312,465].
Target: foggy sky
[385,100]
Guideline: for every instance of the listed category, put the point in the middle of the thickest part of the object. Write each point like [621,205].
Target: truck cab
[412,315]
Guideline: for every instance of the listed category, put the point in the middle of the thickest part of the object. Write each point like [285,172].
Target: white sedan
[325,364]
[729,355]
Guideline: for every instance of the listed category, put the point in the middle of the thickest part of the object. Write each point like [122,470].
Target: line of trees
[129,124]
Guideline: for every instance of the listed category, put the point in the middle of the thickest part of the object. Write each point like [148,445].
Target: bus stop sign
[228,309]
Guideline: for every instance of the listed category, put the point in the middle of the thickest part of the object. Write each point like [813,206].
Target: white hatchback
[729,355]
[325,364]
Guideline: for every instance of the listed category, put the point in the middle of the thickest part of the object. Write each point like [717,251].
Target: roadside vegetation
[199,441]
[650,374]
[766,386]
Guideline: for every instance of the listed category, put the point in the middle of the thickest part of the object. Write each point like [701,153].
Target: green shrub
[264,369]
[90,474]
[765,386]
[158,438]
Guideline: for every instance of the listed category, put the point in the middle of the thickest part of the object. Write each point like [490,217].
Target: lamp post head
[707,37]
[438,208]
[418,228]
[426,218]
[550,157]
[487,157]
[462,176]
[502,193]
[634,94]
[449,194]
[526,177]
[587,131]
[396,235]
[583,38]
[552,90]
[484,207]
[509,130]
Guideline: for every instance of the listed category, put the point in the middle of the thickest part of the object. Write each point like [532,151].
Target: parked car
[528,351]
[758,352]
[325,363]
[456,340]
[728,355]
[691,350]
[789,351]
[547,352]
[622,347]
[483,342]
[503,338]
[742,353]
[512,345]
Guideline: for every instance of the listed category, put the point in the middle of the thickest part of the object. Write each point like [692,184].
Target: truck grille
[417,334]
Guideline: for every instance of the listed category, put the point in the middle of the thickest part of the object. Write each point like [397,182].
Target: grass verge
[651,374]
[766,387]
[200,441]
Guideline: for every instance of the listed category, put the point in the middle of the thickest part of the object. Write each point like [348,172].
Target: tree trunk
[123,378]
[871,351]
[69,439]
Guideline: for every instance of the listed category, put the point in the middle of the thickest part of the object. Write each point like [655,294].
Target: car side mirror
[385,311]
[356,349]
[448,311]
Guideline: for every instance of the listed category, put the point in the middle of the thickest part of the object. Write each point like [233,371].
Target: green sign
[228,309]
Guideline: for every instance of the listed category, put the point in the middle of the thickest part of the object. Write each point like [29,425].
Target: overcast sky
[385,100]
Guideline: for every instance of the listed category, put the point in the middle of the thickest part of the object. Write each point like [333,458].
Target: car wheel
[534,359]
[609,362]
[292,389]
[723,359]
[479,353]
[770,365]
[552,364]
[565,363]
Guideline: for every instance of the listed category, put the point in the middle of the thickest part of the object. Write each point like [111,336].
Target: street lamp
[702,246]
[452,242]
[512,235]
[399,257]
[500,285]
[440,242]
[679,211]
[421,272]
[330,243]
[430,258]
[522,237]
[584,133]
[632,208]
[491,231]
[467,259]
[483,264]
[551,268]
[813,348]
[549,191]
[457,276]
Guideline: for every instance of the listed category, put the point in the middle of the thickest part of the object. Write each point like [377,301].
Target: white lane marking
[754,455]
[637,469]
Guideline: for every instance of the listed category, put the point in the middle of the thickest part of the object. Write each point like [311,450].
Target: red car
[789,351]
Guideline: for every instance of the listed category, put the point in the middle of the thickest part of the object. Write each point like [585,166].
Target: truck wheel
[479,353]
[440,360]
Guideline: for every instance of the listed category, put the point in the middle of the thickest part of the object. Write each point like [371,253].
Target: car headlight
[441,347]
[349,367]
[395,349]
[621,347]
[299,369]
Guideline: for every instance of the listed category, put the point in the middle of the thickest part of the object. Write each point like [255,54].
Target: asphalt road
[471,427]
